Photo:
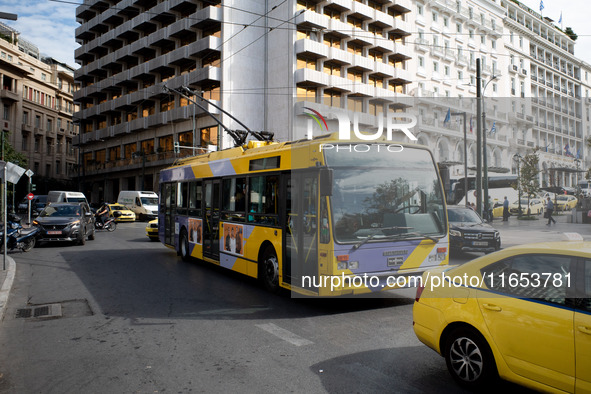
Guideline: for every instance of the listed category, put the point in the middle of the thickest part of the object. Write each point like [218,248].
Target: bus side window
[195,199]
[138,202]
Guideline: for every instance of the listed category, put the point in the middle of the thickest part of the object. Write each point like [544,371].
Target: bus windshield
[383,194]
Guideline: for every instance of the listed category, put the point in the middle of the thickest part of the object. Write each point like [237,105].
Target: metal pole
[484,159]
[465,161]
[30,180]
[478,140]
[463,114]
[4,210]
[519,184]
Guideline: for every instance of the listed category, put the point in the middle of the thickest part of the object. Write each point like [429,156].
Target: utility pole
[463,114]
[478,139]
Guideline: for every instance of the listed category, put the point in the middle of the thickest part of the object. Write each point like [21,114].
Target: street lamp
[518,158]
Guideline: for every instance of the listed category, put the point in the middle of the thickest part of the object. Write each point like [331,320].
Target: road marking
[284,334]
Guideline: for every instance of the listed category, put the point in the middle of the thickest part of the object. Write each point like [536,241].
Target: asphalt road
[136,319]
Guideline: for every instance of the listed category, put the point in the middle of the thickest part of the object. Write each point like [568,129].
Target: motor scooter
[109,225]
[18,237]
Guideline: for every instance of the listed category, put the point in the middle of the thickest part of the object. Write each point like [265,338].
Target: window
[49,125]
[25,143]
[458,27]
[446,21]
[37,143]
[584,300]
[421,61]
[209,136]
[446,71]
[435,67]
[553,268]
[435,17]
[234,199]
[6,112]
[43,77]
[419,9]
[263,199]
[195,199]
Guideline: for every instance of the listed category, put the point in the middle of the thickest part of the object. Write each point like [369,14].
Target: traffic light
[177,147]
[33,187]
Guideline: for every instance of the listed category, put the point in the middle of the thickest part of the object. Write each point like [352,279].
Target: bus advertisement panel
[319,217]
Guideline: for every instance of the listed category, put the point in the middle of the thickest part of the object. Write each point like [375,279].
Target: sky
[50,24]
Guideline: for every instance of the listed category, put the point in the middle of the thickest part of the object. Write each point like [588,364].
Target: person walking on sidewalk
[549,210]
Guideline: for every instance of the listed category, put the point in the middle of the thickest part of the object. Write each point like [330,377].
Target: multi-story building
[37,103]
[262,62]
[543,69]
[270,63]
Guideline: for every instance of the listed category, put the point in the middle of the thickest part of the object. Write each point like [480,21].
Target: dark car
[469,233]
[66,222]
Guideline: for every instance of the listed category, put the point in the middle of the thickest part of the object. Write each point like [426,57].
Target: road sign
[29,173]
[30,196]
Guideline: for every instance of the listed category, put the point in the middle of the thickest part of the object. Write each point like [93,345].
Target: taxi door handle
[492,307]
[585,329]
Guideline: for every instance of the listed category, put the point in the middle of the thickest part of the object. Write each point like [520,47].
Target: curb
[7,285]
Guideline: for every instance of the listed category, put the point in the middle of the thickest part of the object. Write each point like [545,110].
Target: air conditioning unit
[523,71]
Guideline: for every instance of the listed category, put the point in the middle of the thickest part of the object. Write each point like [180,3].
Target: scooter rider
[102,214]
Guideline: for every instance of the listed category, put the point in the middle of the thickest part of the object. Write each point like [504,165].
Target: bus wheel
[269,267]
[184,246]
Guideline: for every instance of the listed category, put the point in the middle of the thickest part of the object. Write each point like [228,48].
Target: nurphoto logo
[345,125]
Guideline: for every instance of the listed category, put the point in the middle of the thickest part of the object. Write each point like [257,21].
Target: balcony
[312,20]
[312,48]
[317,78]
[6,94]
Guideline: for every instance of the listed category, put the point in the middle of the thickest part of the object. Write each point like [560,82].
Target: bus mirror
[326,182]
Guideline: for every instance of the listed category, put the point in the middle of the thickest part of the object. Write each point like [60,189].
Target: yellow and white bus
[319,217]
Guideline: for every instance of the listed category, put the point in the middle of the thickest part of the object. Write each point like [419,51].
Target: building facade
[37,104]
[272,64]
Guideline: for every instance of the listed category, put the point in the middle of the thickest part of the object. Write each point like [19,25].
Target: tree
[569,32]
[528,177]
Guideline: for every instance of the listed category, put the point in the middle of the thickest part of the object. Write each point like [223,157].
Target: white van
[58,196]
[143,204]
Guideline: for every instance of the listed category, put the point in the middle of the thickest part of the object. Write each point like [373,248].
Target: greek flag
[493,129]
[560,19]
[541,5]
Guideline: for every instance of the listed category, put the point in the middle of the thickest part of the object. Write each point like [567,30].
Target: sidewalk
[6,279]
[516,232]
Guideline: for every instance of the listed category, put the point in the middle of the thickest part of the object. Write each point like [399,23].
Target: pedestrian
[505,209]
[490,209]
[549,210]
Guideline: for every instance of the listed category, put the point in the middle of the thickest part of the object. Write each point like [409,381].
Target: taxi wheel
[469,358]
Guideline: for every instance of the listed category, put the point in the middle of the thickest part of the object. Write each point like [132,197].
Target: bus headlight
[353,265]
[342,265]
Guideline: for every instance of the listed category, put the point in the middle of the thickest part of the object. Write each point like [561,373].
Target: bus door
[211,242]
[301,232]
[169,196]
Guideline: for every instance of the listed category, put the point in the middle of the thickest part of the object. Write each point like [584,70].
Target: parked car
[125,214]
[469,233]
[66,222]
[152,230]
[37,204]
[522,314]
[536,207]
[566,202]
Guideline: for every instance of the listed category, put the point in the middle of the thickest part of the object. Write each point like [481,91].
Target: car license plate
[54,232]
[480,243]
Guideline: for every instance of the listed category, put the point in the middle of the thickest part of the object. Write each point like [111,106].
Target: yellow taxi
[124,215]
[536,207]
[565,202]
[152,230]
[522,314]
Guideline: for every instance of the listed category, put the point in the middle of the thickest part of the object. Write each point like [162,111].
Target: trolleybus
[314,216]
